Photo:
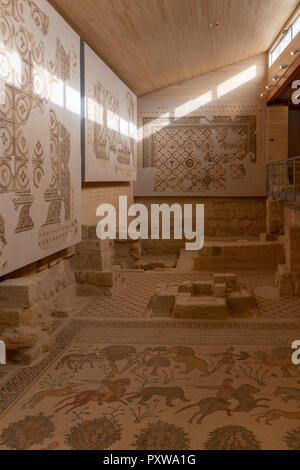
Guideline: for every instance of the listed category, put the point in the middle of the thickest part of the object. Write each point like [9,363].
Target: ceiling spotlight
[285,66]
[263,94]
[295,51]
[268,87]
[275,78]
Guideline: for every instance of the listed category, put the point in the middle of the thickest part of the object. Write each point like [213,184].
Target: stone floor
[118,379]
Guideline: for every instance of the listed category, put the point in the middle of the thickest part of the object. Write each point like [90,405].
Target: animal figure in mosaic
[285,364]
[274,414]
[243,394]
[76,361]
[186,355]
[228,359]
[157,359]
[115,392]
[169,393]
[207,406]
[288,393]
[40,396]
[118,353]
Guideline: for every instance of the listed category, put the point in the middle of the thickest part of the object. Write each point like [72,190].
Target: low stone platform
[222,297]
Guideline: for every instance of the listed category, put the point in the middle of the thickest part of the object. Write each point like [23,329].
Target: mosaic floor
[137,288]
[119,380]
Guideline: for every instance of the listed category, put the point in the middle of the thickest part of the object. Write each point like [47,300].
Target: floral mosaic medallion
[162,436]
[96,434]
[232,438]
[292,439]
[27,432]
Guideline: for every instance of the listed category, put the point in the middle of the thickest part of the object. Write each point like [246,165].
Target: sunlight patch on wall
[194,104]
[236,81]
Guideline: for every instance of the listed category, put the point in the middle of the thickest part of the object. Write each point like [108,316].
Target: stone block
[240,303]
[220,289]
[292,252]
[13,317]
[275,215]
[92,235]
[285,281]
[19,338]
[20,292]
[81,262]
[201,308]
[24,356]
[88,246]
[296,277]
[267,237]
[136,251]
[91,290]
[292,232]
[172,288]
[202,288]
[216,251]
[162,303]
[229,279]
[186,286]
[102,279]
[96,261]
[84,232]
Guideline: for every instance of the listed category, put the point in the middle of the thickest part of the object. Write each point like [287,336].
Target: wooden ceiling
[151,44]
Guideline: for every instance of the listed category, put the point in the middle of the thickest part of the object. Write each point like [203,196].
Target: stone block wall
[93,264]
[24,299]
[288,274]
[29,302]
[275,216]
[292,247]
[92,253]
[239,255]
[224,217]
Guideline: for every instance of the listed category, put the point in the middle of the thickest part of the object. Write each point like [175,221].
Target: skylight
[289,35]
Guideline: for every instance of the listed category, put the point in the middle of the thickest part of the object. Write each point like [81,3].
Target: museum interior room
[132,337]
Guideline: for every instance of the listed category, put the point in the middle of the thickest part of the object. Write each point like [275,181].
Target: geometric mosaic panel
[39,133]
[217,153]
[110,124]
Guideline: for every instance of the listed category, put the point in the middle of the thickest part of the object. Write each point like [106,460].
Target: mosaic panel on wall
[110,119]
[217,153]
[39,133]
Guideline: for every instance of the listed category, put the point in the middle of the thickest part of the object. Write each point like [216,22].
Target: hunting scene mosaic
[155,389]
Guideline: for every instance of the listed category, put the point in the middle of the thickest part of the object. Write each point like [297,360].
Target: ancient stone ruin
[221,298]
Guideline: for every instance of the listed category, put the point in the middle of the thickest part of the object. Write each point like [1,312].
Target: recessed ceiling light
[268,87]
[285,66]
[275,78]
[263,94]
[295,51]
